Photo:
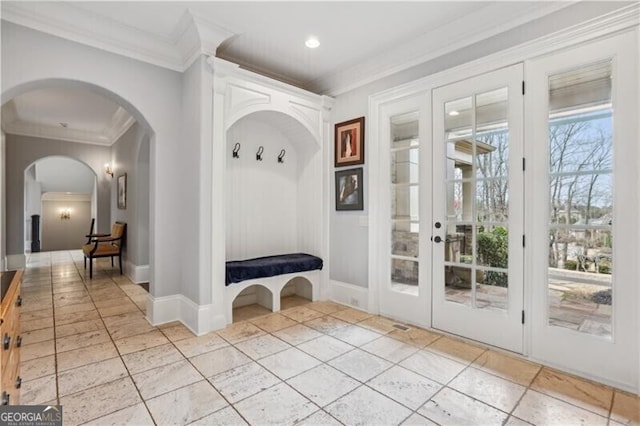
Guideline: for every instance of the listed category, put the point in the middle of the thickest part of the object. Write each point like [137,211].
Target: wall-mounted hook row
[281,156]
[259,153]
[236,149]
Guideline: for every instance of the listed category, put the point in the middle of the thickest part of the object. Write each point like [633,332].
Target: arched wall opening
[297,291]
[24,151]
[60,200]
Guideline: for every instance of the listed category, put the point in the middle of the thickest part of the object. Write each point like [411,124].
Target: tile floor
[88,347]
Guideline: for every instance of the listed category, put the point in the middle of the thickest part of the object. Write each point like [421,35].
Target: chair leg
[112,261]
[90,268]
[120,261]
[85,262]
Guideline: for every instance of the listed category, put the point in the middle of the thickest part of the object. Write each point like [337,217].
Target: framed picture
[349,142]
[349,189]
[122,191]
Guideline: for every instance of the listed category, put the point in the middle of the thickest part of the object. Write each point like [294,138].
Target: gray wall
[348,238]
[21,152]
[64,234]
[124,158]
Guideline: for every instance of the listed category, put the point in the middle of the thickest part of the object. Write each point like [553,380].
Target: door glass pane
[405,214]
[476,248]
[581,201]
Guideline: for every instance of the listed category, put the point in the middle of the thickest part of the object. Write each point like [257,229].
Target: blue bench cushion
[270,266]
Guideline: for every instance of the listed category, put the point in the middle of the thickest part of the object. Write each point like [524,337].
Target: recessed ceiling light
[454,113]
[312,42]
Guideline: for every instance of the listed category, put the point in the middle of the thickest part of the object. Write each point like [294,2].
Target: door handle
[436,239]
[437,225]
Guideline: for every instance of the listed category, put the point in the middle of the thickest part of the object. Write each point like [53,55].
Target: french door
[582,266]
[477,224]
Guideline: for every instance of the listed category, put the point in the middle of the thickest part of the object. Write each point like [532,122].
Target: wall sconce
[236,148]
[259,153]
[108,170]
[65,214]
[281,156]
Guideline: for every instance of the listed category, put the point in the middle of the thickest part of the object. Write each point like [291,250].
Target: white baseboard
[137,273]
[15,261]
[197,318]
[349,294]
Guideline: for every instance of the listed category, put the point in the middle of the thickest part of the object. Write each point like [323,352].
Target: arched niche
[248,298]
[272,207]
[296,288]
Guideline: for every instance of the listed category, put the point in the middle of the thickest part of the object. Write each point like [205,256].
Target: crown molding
[193,34]
[63,196]
[120,123]
[459,33]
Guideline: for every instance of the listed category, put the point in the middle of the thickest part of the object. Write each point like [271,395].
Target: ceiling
[360,43]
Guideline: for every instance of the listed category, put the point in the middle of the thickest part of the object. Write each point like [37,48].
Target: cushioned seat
[105,245]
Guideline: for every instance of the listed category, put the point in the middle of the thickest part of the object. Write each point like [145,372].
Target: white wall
[152,95]
[60,174]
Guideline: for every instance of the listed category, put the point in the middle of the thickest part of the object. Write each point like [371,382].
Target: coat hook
[259,153]
[281,156]
[236,148]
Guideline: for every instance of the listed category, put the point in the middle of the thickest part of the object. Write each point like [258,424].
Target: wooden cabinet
[10,342]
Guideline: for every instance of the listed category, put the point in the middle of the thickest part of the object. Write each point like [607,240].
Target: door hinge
[523,317]
[523,240]
[523,87]
[524,164]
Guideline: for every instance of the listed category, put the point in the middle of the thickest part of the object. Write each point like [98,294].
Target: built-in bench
[270,273]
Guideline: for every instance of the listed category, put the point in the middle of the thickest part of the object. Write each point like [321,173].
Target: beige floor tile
[115,321]
[36,368]
[273,322]
[415,336]
[320,417]
[365,406]
[82,340]
[36,315]
[355,335]
[136,415]
[379,324]
[351,315]
[36,304]
[417,420]
[288,363]
[433,366]
[390,349]
[79,327]
[507,367]
[456,349]
[37,350]
[326,307]
[241,382]
[323,384]
[185,405]
[90,375]
[86,355]
[99,401]
[71,298]
[134,327]
[325,348]
[327,324]
[140,342]
[193,346]
[297,334]
[73,317]
[151,358]
[404,386]
[360,365]
[541,409]
[133,289]
[111,302]
[82,307]
[236,333]
[585,394]
[453,408]
[227,416]
[215,362]
[244,313]
[499,393]
[177,332]
[119,309]
[293,301]
[37,324]
[106,293]
[514,421]
[37,336]
[38,391]
[301,313]
[277,405]
[262,346]
[166,378]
